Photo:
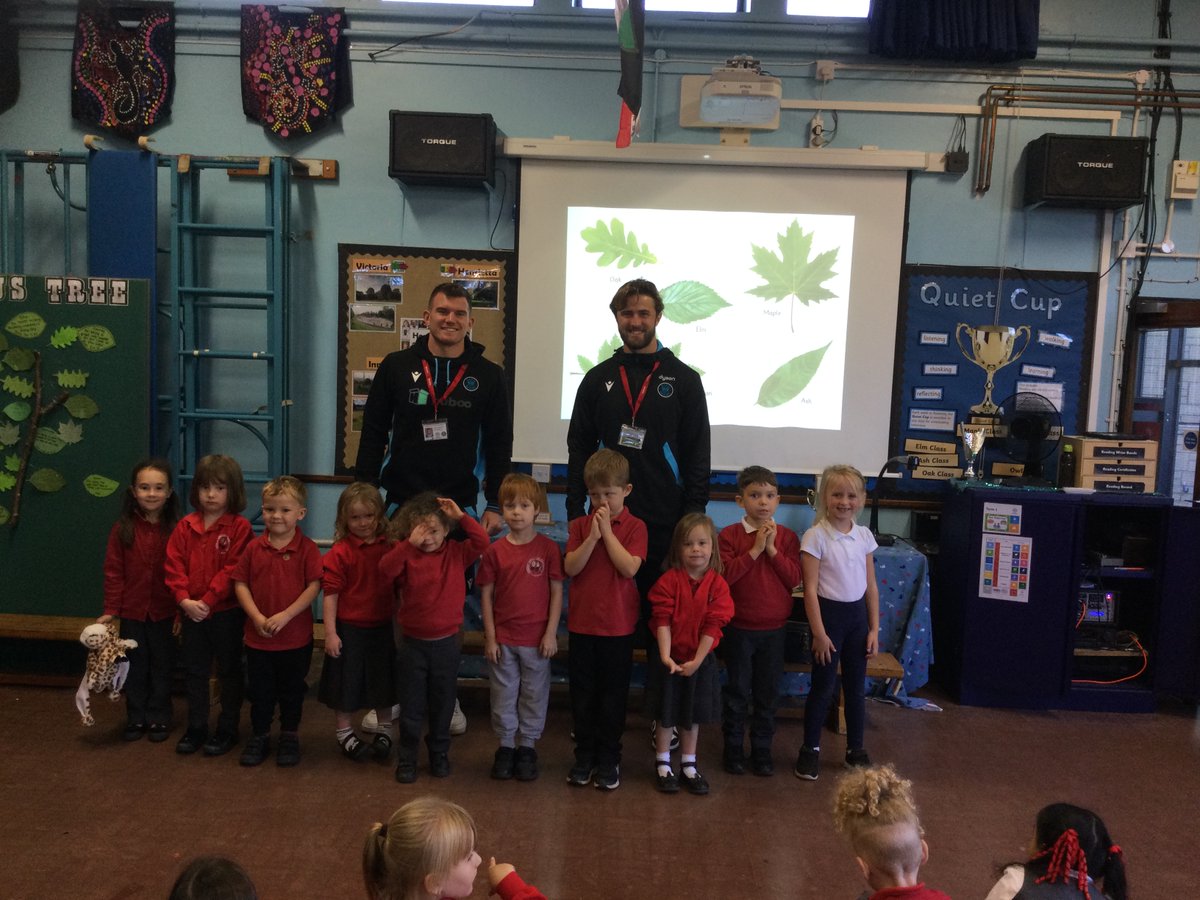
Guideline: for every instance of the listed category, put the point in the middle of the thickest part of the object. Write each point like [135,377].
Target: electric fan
[1030,429]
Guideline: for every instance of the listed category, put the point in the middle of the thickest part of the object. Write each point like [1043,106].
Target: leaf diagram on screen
[43,410]
[791,273]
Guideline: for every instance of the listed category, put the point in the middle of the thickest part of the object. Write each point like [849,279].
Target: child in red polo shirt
[430,574]
[605,549]
[276,581]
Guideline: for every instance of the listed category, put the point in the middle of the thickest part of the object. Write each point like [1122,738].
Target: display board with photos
[383,292]
[970,338]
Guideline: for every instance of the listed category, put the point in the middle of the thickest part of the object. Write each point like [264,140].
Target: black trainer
[733,761]
[526,768]
[256,750]
[807,764]
[406,771]
[191,741]
[761,763]
[439,765]
[502,765]
[220,743]
[288,754]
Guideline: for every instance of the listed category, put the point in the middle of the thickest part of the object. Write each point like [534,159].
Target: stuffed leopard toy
[107,667]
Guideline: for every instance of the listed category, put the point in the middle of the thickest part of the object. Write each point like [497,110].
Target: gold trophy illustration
[992,348]
[973,437]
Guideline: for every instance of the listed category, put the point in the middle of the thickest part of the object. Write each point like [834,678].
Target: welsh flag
[631,31]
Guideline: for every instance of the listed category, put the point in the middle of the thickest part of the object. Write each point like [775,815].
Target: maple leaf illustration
[791,274]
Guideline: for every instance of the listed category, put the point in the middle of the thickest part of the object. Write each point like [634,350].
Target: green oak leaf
[792,273]
[690,301]
[19,359]
[4,515]
[790,379]
[9,434]
[18,410]
[614,244]
[12,462]
[71,378]
[99,485]
[26,325]
[81,406]
[18,386]
[6,481]
[63,337]
[47,481]
[47,440]
[96,338]
[70,431]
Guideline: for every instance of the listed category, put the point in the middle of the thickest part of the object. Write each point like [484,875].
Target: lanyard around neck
[635,406]
[433,397]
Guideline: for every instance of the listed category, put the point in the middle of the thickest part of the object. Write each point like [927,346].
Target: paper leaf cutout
[81,406]
[3,515]
[18,410]
[64,337]
[12,462]
[615,245]
[19,359]
[26,325]
[790,379]
[96,338]
[47,440]
[99,485]
[690,301]
[70,431]
[19,386]
[6,481]
[9,435]
[47,481]
[792,273]
[73,378]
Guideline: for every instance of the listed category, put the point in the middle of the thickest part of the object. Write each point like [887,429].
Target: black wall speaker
[1089,172]
[442,148]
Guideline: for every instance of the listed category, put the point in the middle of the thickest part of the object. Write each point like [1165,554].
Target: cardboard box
[1112,449]
[1115,464]
[1123,484]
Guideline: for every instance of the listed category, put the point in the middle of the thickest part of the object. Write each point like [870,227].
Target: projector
[741,97]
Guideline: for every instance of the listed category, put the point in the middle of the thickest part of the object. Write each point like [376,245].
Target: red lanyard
[634,407]
[433,397]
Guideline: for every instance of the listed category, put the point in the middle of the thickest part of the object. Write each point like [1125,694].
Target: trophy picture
[973,437]
[992,347]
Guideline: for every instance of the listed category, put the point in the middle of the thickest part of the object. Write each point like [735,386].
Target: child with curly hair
[874,808]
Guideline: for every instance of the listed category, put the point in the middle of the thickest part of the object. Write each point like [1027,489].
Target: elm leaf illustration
[790,379]
[96,338]
[690,301]
[614,244]
[18,410]
[99,485]
[81,406]
[47,440]
[70,431]
[47,481]
[19,359]
[12,462]
[18,386]
[9,434]
[26,325]
[791,273]
[71,378]
[63,337]
[6,482]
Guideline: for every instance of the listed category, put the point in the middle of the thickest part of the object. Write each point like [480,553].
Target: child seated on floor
[874,808]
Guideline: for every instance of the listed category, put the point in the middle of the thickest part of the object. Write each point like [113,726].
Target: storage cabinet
[1109,617]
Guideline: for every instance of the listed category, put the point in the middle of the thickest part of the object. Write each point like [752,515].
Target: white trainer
[458,722]
[370,721]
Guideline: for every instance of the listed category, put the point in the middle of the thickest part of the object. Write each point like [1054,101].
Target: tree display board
[74,370]
[384,290]
[967,339]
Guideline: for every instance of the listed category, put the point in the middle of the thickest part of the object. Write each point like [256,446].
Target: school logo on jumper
[665,389]
[535,567]
[223,544]
[470,383]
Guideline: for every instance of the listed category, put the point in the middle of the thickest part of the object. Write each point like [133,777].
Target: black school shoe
[158,732]
[733,761]
[761,763]
[220,743]
[439,765]
[526,768]
[256,750]
[502,765]
[696,784]
[288,754]
[191,741]
[406,772]
[133,732]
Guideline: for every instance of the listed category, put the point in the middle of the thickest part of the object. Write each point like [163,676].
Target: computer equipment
[1098,607]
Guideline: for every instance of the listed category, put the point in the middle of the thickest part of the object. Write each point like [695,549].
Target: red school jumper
[691,609]
[276,577]
[352,571]
[135,586]
[604,602]
[761,588]
[199,562]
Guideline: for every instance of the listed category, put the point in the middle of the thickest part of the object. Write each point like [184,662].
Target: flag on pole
[631,32]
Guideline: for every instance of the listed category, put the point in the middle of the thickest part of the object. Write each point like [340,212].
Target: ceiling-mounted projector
[739,95]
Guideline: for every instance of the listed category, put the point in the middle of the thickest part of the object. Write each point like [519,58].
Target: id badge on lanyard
[633,436]
[438,429]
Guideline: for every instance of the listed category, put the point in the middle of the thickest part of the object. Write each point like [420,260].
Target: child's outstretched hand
[452,510]
[497,872]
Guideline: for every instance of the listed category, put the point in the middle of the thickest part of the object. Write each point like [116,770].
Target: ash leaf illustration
[685,302]
[17,386]
[19,359]
[99,485]
[607,349]
[96,338]
[70,431]
[9,434]
[791,273]
[25,325]
[47,481]
[614,244]
[47,440]
[81,406]
[63,337]
[790,379]
[71,378]
[18,410]
[12,462]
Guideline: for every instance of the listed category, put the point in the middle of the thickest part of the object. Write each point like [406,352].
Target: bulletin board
[382,292]
[937,380]
[74,413]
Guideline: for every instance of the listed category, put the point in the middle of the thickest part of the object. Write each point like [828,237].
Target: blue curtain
[963,30]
